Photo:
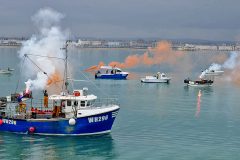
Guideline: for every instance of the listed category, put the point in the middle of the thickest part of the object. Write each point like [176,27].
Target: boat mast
[66,81]
[65,74]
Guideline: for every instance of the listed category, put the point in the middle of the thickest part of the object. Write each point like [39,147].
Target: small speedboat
[199,83]
[158,78]
[109,72]
[6,71]
[213,73]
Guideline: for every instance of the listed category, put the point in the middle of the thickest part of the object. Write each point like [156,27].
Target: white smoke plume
[230,63]
[47,42]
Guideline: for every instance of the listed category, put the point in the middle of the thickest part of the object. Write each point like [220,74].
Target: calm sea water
[156,121]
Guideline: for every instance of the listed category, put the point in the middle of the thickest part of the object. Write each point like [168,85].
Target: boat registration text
[97,119]
[9,121]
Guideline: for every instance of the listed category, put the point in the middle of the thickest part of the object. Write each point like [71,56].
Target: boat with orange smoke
[66,113]
[109,72]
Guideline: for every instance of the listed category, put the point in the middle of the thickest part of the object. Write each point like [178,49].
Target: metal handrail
[100,102]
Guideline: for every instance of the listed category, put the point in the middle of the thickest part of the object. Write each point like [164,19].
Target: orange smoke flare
[54,78]
[161,53]
[91,68]
[94,68]
[219,58]
[235,75]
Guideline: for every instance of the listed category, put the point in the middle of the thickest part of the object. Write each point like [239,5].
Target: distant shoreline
[127,48]
[139,44]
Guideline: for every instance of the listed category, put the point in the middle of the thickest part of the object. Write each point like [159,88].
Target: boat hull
[144,80]
[111,76]
[90,125]
[204,83]
[199,85]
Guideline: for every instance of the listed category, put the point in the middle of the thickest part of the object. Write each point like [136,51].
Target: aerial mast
[65,73]
[66,69]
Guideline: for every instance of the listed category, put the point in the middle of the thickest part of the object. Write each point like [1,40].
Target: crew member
[45,100]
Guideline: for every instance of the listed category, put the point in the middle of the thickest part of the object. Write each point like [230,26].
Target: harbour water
[156,121]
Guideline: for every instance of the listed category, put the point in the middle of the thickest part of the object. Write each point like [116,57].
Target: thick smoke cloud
[40,70]
[231,65]
[162,53]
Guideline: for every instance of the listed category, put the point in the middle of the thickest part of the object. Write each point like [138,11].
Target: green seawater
[156,121]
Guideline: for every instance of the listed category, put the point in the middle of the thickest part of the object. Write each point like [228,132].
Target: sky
[164,19]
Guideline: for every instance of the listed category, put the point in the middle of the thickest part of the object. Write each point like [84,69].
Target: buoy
[72,122]
[1,122]
[31,129]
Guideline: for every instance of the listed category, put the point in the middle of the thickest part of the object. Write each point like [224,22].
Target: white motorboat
[158,78]
[213,73]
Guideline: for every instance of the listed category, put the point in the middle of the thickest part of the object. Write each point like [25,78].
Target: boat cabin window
[69,103]
[75,103]
[82,103]
[88,103]
[118,70]
[63,103]
[56,103]
[85,103]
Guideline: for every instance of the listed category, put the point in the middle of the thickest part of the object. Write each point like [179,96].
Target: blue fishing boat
[108,72]
[67,113]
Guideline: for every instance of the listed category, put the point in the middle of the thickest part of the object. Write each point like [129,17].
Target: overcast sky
[170,19]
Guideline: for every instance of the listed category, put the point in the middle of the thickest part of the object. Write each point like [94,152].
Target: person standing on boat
[158,75]
[22,105]
[45,99]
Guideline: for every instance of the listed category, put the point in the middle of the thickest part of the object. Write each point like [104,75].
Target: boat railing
[32,103]
[38,104]
[104,102]
[25,108]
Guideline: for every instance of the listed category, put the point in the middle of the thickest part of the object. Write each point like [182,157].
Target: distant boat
[199,83]
[108,72]
[158,78]
[6,71]
[205,79]
[214,73]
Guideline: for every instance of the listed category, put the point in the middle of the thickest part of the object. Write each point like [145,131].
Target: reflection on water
[15,146]
[198,104]
[155,85]
[206,90]
[5,76]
